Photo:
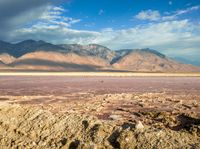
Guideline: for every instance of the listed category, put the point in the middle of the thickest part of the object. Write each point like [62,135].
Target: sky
[171,27]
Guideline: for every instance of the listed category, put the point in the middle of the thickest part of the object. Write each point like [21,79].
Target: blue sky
[171,27]
[119,14]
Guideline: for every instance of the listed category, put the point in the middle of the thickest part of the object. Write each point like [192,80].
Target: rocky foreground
[26,126]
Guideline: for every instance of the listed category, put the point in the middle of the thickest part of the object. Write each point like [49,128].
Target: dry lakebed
[96,112]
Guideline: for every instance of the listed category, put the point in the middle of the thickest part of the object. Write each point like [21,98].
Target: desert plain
[99,110]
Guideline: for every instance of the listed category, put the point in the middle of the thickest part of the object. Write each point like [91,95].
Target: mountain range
[30,55]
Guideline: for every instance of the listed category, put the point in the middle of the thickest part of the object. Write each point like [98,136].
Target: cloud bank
[148,15]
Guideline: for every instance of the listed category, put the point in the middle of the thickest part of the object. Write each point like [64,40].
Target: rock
[115,117]
[187,106]
[139,125]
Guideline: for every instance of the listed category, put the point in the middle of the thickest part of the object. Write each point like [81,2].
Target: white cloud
[157,35]
[53,16]
[184,11]
[152,15]
[60,9]
[174,15]
[151,35]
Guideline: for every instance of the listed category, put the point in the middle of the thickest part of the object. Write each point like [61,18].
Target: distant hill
[147,60]
[6,58]
[58,61]
[27,46]
[91,50]
[1,64]
[42,56]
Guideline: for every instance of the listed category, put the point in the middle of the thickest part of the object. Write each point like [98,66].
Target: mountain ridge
[94,57]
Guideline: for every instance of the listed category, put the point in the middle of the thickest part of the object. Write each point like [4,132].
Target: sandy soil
[99,112]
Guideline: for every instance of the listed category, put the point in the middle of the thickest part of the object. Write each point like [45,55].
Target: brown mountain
[6,58]
[147,60]
[55,61]
[91,50]
[1,64]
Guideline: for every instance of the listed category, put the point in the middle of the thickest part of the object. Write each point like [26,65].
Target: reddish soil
[53,85]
